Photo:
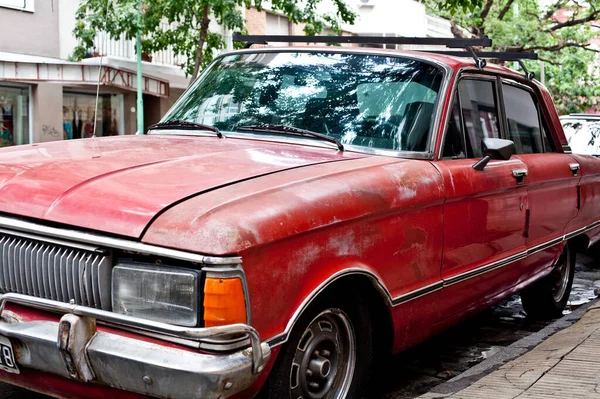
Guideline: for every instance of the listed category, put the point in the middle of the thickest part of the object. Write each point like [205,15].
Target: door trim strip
[282,337]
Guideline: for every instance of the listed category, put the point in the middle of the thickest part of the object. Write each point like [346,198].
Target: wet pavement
[417,370]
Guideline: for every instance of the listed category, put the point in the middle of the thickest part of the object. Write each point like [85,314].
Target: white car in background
[583,133]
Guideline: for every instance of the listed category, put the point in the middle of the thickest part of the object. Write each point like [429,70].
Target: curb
[509,353]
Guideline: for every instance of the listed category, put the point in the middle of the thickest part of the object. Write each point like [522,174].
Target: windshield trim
[447,73]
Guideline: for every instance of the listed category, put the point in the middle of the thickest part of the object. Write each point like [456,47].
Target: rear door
[552,177]
[484,211]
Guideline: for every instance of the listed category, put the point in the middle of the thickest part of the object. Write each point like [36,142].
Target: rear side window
[523,120]
[480,113]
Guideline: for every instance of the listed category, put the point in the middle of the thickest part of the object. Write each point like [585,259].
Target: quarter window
[454,146]
[480,113]
[523,120]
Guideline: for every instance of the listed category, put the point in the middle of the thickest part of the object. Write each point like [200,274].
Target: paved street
[566,365]
[437,360]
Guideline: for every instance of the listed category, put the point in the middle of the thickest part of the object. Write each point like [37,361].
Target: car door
[552,177]
[484,211]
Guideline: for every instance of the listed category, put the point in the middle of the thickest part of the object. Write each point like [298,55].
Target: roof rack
[478,56]
[421,41]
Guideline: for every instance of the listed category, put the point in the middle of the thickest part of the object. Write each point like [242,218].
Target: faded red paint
[299,215]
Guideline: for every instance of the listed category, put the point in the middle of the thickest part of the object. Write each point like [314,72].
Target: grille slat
[2,262]
[89,290]
[22,284]
[40,270]
[96,294]
[10,263]
[54,271]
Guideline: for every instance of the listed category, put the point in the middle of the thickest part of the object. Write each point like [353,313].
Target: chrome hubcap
[325,357]
[561,274]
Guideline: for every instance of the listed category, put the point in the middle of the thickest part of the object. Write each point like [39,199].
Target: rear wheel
[548,297]
[328,352]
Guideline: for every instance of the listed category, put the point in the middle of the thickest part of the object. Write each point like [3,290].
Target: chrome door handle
[519,174]
[574,168]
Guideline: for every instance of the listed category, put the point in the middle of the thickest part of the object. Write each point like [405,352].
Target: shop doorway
[79,112]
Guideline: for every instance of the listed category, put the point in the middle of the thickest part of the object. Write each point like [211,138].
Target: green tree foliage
[559,31]
[188,31]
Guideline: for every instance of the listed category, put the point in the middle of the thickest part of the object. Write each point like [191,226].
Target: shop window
[14,116]
[79,112]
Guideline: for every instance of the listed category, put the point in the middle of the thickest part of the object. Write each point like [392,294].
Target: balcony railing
[125,48]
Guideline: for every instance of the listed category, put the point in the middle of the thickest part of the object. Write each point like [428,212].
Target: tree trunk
[484,13]
[201,40]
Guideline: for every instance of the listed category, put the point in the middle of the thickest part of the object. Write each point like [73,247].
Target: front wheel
[548,297]
[327,355]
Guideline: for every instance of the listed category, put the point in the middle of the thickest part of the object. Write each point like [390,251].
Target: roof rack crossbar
[419,41]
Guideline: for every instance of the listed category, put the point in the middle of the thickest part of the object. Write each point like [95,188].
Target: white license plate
[7,356]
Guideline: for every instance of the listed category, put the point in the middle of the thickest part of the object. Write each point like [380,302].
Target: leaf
[175,24]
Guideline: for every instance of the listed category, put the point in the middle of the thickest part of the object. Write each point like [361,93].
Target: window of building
[480,113]
[523,120]
[14,116]
[79,113]
[277,25]
[24,5]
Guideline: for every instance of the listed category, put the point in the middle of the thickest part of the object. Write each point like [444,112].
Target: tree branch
[552,10]
[556,47]
[546,60]
[505,10]
[572,22]
[201,40]
[484,13]
[457,30]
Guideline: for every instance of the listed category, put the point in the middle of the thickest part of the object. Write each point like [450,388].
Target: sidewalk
[566,365]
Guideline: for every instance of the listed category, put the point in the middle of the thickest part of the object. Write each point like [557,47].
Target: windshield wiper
[186,125]
[290,130]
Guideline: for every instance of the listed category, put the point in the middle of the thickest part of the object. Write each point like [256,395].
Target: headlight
[167,295]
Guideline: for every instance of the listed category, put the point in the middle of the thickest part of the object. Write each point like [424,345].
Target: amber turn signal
[224,301]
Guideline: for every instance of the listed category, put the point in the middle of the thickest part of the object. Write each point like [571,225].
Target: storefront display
[79,111]
[14,115]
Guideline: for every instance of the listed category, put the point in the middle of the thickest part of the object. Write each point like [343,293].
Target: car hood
[120,184]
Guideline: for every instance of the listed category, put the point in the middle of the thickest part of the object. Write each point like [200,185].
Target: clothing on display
[79,112]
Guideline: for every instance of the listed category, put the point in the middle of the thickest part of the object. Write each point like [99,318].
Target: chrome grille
[50,269]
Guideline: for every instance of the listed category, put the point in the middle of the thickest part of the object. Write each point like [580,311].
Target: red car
[296,214]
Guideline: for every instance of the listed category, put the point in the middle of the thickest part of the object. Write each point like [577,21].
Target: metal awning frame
[78,73]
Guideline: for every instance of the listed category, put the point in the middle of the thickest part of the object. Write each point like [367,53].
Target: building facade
[45,97]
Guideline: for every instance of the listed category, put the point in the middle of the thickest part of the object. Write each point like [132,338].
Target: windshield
[367,100]
[583,135]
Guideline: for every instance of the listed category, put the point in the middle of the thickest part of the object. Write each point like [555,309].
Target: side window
[454,146]
[523,120]
[480,113]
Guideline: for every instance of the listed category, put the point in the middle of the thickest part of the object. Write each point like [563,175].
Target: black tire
[594,253]
[547,298]
[308,350]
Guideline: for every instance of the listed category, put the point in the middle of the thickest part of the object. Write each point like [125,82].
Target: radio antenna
[100,71]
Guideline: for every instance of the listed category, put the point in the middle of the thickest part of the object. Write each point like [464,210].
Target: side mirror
[499,149]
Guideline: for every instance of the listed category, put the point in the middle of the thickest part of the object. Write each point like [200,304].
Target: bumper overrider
[73,348]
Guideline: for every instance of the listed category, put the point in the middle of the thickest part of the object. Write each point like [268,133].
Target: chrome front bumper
[74,349]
